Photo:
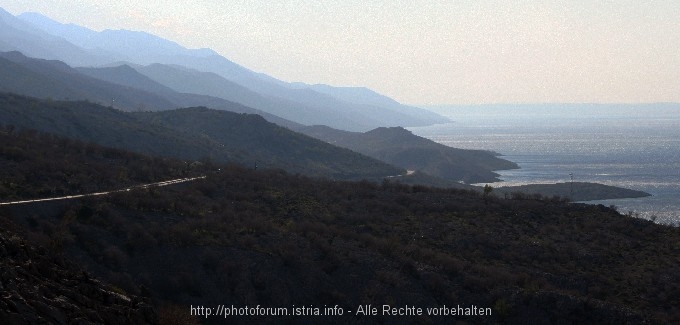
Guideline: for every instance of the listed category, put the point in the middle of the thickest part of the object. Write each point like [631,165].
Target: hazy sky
[421,51]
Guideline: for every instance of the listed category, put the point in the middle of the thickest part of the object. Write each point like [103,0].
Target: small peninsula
[577,191]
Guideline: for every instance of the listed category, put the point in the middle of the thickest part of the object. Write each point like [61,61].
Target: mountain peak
[151,44]
[48,24]
[4,13]
[36,17]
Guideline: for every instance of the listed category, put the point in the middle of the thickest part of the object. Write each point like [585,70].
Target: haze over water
[631,146]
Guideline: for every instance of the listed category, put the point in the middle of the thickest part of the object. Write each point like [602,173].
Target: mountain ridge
[193,134]
[54,79]
[336,110]
[402,148]
[18,35]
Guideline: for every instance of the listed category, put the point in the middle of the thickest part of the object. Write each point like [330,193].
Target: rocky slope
[39,287]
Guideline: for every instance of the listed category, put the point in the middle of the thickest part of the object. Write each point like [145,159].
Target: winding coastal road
[68,197]
[408,172]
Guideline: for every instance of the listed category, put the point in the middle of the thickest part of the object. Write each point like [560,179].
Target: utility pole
[571,186]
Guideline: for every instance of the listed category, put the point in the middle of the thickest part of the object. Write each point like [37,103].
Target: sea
[636,146]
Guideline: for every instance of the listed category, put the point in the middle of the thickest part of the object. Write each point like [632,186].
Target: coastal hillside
[265,237]
[402,148]
[193,134]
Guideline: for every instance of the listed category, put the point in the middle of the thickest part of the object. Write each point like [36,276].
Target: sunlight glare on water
[631,146]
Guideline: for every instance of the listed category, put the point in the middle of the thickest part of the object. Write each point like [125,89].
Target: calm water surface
[632,146]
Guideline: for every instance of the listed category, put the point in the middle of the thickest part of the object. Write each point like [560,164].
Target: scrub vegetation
[249,237]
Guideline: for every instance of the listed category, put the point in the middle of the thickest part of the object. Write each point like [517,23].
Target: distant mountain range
[125,88]
[139,72]
[204,72]
[119,87]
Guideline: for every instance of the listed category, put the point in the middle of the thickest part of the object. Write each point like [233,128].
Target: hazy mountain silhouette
[18,35]
[315,108]
[121,87]
[131,77]
[350,109]
[330,108]
[125,75]
[187,80]
[368,97]
[143,48]
[123,44]
[56,80]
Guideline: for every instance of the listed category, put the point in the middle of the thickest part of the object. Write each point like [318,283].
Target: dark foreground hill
[402,148]
[247,237]
[193,134]
[39,287]
[270,146]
